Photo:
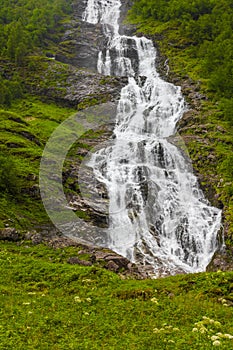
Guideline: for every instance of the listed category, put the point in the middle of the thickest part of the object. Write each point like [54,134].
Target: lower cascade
[158,215]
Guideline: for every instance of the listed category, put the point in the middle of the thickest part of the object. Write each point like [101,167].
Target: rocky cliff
[82,41]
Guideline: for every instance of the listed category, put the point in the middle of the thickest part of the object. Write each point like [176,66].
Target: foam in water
[157,213]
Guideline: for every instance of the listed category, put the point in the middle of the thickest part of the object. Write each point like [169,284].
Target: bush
[9,181]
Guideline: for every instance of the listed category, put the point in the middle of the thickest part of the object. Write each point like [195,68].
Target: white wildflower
[88,300]
[156,330]
[77,299]
[176,329]
[154,300]
[203,330]
[228,336]
[214,337]
[216,343]
[194,329]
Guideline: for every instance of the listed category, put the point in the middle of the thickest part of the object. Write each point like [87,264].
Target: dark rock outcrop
[71,86]
[9,234]
[222,261]
[81,45]
[94,256]
[126,28]
[82,41]
[76,261]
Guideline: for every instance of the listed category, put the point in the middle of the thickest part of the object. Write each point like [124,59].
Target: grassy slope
[48,304]
[25,127]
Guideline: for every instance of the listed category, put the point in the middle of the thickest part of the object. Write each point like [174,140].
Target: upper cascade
[158,215]
[106,12]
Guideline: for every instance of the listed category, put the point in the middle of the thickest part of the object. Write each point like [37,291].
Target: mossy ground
[47,303]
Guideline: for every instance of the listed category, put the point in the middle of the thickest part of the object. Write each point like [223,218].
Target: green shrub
[9,181]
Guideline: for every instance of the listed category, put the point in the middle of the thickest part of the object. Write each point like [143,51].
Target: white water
[158,215]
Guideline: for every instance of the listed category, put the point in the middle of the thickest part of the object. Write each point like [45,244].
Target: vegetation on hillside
[26,27]
[29,30]
[197,37]
[29,24]
[206,28]
[47,303]
[24,127]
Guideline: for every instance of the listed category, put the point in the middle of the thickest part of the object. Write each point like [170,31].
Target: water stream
[158,215]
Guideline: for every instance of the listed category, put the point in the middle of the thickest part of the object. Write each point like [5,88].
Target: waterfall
[158,215]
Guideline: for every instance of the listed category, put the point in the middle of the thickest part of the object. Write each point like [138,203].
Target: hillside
[43,82]
[56,293]
[37,93]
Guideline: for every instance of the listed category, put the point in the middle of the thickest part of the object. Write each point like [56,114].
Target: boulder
[74,260]
[9,234]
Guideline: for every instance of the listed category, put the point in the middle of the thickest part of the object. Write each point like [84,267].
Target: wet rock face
[81,44]
[222,261]
[130,52]
[83,41]
[83,84]
[126,29]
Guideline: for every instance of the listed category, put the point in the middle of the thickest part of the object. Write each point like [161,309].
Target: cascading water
[157,214]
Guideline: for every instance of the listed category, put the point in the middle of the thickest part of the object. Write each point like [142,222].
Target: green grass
[24,129]
[48,304]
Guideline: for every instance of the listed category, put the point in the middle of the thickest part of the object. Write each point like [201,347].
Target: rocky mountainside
[68,77]
[83,41]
